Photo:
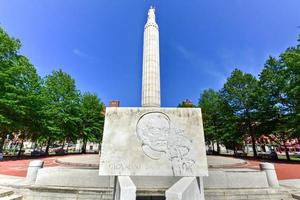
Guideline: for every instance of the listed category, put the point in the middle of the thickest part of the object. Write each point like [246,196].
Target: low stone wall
[65,193]
[66,183]
[231,179]
[88,178]
[60,193]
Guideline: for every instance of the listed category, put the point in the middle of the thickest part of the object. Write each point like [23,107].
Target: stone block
[152,141]
[236,179]
[269,169]
[69,177]
[187,188]
[125,189]
[33,169]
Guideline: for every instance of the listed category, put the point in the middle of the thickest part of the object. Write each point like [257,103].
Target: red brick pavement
[19,167]
[283,170]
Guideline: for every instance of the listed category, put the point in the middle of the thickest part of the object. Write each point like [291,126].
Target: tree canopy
[251,107]
[46,110]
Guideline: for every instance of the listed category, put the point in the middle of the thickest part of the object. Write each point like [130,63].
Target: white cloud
[80,53]
[83,55]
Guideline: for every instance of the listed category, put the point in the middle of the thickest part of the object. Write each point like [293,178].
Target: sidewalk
[293,185]
[11,181]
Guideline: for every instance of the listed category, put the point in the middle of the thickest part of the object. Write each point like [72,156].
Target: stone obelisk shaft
[151,69]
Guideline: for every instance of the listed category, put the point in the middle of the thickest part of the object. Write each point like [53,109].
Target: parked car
[272,155]
[37,153]
[240,153]
[60,151]
[297,153]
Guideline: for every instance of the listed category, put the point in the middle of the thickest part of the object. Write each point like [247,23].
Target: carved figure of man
[152,131]
[159,139]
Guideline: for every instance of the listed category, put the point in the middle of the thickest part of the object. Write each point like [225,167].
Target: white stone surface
[187,188]
[217,179]
[33,169]
[72,177]
[269,169]
[234,178]
[151,65]
[291,183]
[125,189]
[153,142]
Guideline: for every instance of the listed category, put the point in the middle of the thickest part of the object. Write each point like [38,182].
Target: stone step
[296,195]
[245,197]
[12,197]
[249,194]
[5,192]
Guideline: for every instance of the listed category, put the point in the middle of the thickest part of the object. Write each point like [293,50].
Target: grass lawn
[296,158]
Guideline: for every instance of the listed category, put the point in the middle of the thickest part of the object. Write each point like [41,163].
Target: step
[249,194]
[12,197]
[5,192]
[296,195]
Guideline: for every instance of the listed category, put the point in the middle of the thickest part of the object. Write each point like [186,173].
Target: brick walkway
[19,167]
[283,170]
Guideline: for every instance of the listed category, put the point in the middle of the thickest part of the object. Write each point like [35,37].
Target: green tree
[240,93]
[29,98]
[210,104]
[186,104]
[290,59]
[92,119]
[273,104]
[220,125]
[8,65]
[280,99]
[61,108]
[19,89]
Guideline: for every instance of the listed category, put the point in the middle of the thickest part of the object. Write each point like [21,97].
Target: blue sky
[99,42]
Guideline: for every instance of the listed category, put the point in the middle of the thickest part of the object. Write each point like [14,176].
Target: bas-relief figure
[159,137]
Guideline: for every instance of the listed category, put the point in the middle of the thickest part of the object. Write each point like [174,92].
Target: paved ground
[283,170]
[92,160]
[19,167]
[224,162]
[88,160]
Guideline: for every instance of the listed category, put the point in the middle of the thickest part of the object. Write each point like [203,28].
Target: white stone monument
[154,141]
[151,69]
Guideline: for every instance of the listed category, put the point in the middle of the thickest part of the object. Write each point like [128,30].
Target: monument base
[67,183]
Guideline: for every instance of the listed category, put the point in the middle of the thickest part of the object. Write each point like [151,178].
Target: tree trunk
[67,150]
[286,151]
[1,144]
[253,146]
[83,149]
[218,147]
[20,150]
[47,148]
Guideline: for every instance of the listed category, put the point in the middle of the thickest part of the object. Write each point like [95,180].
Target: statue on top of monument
[151,14]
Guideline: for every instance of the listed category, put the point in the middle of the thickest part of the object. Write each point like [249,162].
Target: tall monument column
[151,71]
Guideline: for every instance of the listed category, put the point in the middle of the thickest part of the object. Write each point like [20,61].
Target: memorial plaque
[153,142]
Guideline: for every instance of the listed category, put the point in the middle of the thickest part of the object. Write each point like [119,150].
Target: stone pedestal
[187,188]
[124,189]
[269,169]
[33,169]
